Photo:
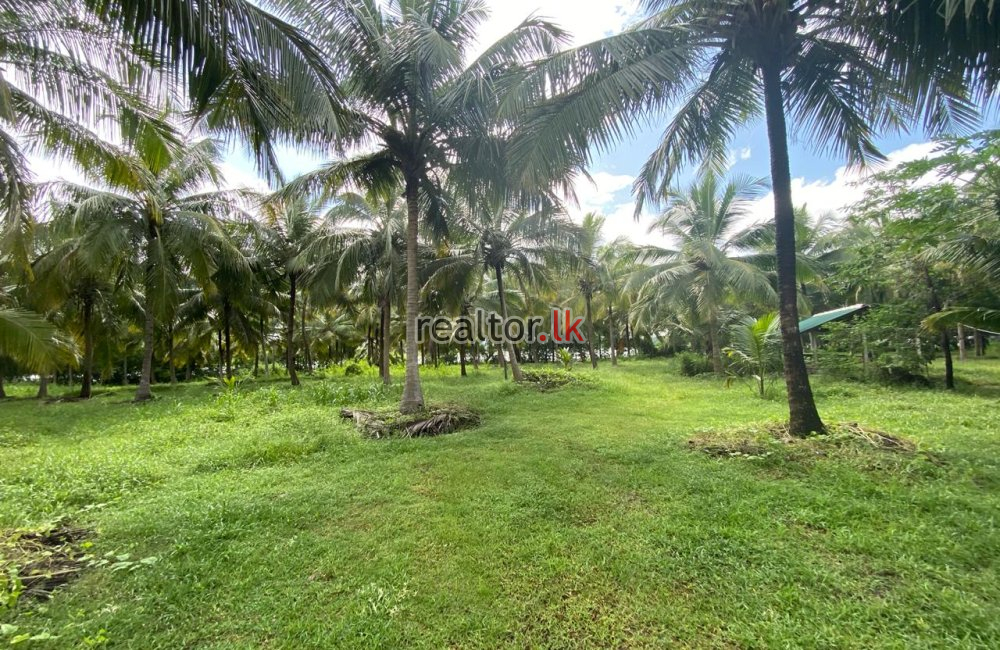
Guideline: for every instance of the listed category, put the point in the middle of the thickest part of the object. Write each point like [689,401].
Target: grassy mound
[844,439]
[553,379]
[429,422]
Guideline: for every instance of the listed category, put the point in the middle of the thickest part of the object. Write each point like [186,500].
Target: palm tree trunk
[384,313]
[949,366]
[227,324]
[590,331]
[170,354]
[611,335]
[961,342]
[977,341]
[413,394]
[803,417]
[220,367]
[43,386]
[86,386]
[290,332]
[306,347]
[369,346]
[3,391]
[144,392]
[515,367]
[713,341]
[461,359]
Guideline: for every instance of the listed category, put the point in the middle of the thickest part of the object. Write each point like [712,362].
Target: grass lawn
[575,518]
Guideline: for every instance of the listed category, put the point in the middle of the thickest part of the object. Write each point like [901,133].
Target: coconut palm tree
[589,277]
[67,277]
[508,244]
[62,73]
[28,339]
[841,73]
[425,111]
[244,70]
[160,212]
[360,248]
[713,261]
[819,247]
[615,263]
[290,225]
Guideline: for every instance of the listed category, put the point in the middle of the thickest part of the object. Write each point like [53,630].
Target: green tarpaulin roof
[818,320]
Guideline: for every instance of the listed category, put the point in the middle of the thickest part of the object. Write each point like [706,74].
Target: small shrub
[354,370]
[693,364]
[549,379]
[331,394]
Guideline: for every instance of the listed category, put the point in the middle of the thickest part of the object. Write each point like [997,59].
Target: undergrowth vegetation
[624,509]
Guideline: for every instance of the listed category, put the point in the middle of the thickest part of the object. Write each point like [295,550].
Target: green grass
[573,518]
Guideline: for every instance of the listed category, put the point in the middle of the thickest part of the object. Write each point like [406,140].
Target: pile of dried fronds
[430,422]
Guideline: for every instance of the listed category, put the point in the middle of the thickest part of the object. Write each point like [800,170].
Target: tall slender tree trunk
[611,335]
[227,324]
[369,346]
[803,417]
[86,387]
[3,391]
[170,354]
[43,385]
[306,346]
[590,330]
[515,367]
[144,391]
[413,394]
[949,364]
[290,332]
[385,336]
[937,306]
[978,343]
[220,367]
[461,359]
[713,341]
[961,342]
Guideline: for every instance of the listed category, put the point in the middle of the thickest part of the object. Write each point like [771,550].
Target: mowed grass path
[576,518]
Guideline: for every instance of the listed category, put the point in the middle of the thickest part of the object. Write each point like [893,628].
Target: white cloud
[584,21]
[611,196]
[846,188]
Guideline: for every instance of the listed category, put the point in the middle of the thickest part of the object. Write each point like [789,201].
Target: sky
[820,180]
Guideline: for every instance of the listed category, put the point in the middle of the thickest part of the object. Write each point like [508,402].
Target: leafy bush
[565,358]
[331,394]
[551,378]
[899,350]
[693,364]
[354,370]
